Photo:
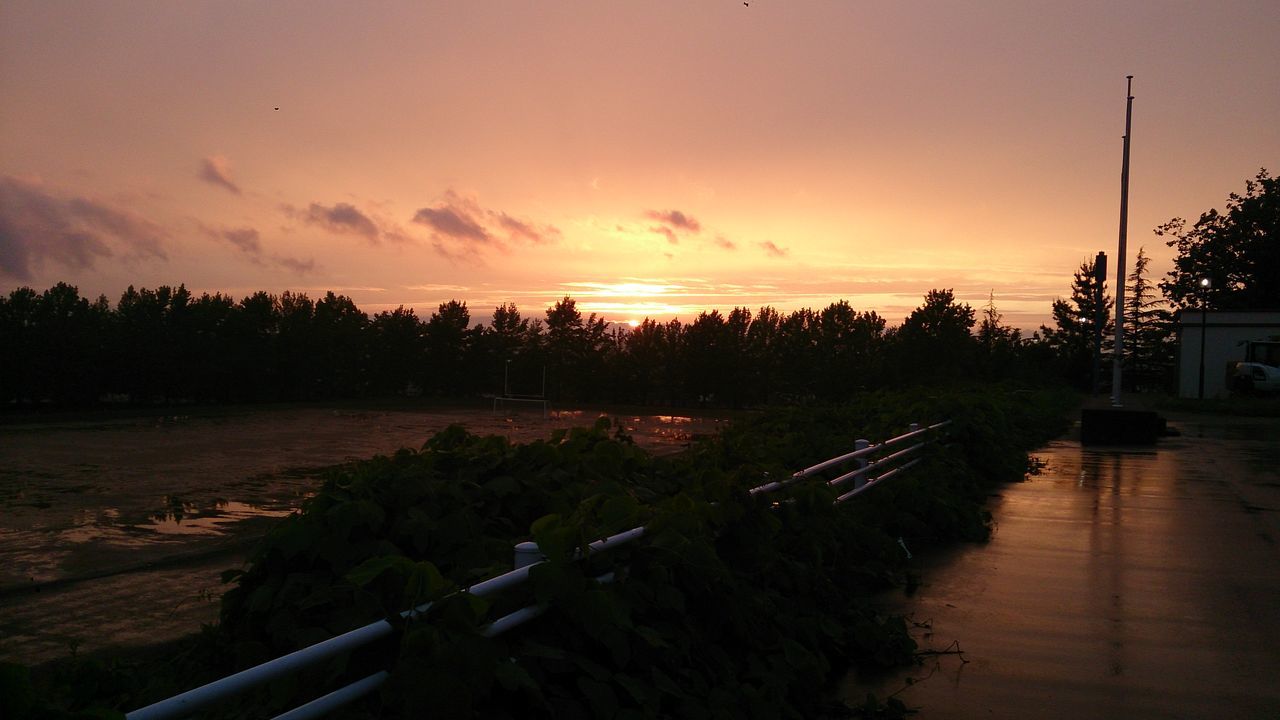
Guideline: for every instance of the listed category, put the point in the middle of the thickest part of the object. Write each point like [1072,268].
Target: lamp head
[1205,283]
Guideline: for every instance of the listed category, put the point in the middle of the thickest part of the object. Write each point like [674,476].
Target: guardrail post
[528,553]
[913,427]
[861,444]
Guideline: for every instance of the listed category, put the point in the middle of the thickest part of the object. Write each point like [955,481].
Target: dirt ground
[113,532]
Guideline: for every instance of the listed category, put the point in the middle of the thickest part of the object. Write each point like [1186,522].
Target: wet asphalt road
[1119,583]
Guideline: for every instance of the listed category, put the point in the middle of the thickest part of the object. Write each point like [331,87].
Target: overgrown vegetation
[732,606]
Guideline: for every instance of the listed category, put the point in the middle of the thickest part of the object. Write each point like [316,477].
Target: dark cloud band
[38,226]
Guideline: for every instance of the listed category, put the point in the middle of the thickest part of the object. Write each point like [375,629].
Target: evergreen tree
[1076,321]
[1149,343]
[998,343]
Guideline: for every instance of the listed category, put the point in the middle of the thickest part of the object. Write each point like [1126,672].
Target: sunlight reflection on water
[192,521]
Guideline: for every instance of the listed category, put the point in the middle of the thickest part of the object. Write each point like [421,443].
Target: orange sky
[648,158]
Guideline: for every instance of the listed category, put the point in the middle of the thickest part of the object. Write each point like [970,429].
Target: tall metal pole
[1205,284]
[1203,326]
[1124,236]
[1099,319]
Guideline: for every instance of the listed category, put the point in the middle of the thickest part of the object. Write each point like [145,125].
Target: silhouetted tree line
[167,345]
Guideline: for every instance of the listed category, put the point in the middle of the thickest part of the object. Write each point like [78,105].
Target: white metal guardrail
[868,472]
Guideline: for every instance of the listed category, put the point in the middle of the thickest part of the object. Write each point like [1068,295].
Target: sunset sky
[647,158]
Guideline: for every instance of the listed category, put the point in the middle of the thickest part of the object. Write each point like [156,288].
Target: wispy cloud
[773,250]
[248,242]
[37,225]
[460,227]
[725,243]
[666,232]
[438,288]
[301,267]
[216,170]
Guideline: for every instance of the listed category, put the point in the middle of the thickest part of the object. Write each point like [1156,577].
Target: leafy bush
[732,605]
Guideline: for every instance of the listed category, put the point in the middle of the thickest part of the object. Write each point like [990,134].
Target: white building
[1225,333]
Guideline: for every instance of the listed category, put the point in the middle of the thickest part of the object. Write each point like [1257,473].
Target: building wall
[1224,336]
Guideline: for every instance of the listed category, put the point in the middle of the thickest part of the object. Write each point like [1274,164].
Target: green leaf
[638,690]
[620,513]
[538,650]
[425,583]
[556,539]
[16,695]
[601,698]
[369,570]
[513,677]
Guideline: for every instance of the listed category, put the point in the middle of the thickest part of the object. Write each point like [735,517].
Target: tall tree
[397,351]
[499,352]
[848,347]
[448,347]
[564,340]
[300,372]
[935,341]
[254,329]
[1238,251]
[339,336]
[1149,346]
[1076,322]
[796,352]
[998,343]
[705,348]
[763,338]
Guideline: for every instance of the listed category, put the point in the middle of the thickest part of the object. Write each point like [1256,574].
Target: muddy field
[114,532]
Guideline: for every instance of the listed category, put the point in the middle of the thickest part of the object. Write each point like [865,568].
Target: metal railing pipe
[840,460]
[326,704]
[192,701]
[875,481]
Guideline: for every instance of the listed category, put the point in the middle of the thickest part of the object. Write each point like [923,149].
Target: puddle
[215,521]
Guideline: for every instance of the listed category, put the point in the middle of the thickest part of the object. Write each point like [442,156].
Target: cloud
[341,218]
[216,170]
[249,242]
[298,266]
[460,227]
[454,219]
[724,242]
[518,230]
[38,226]
[666,232]
[244,238]
[773,250]
[438,288]
[675,220]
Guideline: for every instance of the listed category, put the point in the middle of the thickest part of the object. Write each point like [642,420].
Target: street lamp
[1204,287]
